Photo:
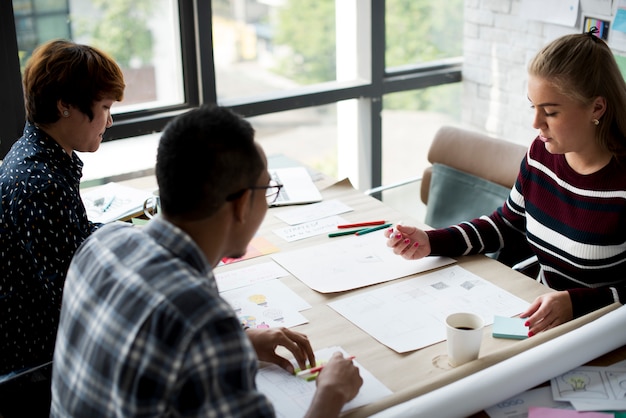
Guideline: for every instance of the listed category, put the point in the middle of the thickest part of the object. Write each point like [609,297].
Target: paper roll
[521,372]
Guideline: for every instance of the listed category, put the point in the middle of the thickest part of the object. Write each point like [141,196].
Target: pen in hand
[307,373]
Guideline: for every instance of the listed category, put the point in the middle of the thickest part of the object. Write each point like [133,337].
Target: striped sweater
[575,224]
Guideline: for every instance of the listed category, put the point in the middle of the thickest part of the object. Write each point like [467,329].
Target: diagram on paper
[267,305]
[588,383]
[411,314]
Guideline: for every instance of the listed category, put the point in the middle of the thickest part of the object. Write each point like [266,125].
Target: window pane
[308,136]
[418,31]
[50,27]
[142,36]
[410,121]
[50,5]
[265,46]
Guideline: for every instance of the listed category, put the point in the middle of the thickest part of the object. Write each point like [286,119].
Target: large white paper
[411,314]
[291,395]
[351,262]
[519,373]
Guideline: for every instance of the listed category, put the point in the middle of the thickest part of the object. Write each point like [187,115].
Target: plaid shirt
[144,332]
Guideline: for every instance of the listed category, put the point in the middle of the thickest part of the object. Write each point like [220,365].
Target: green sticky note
[505,327]
[139,221]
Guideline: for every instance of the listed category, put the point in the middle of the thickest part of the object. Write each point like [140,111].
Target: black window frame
[200,84]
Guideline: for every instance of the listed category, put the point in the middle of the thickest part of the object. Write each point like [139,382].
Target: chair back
[471,175]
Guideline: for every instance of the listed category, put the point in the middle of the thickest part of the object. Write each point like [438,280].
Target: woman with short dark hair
[68,90]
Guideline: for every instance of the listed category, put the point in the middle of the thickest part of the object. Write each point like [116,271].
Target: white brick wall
[497,47]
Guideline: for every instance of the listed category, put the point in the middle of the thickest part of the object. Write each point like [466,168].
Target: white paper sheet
[310,229]
[517,406]
[113,201]
[256,273]
[519,373]
[313,211]
[597,7]
[560,12]
[267,305]
[291,395]
[351,262]
[592,388]
[411,314]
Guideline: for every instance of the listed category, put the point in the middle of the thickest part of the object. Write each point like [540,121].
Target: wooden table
[410,374]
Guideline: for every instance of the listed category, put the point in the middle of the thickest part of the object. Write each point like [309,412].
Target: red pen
[371,223]
[308,372]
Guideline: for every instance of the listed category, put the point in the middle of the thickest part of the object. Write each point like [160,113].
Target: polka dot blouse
[42,223]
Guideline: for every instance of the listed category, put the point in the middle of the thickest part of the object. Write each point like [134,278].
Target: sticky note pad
[505,327]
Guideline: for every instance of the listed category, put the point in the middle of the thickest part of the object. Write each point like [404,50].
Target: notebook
[298,187]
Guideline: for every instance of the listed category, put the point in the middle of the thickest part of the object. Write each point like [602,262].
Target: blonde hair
[582,67]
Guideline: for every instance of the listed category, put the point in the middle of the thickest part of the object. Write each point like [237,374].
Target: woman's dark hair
[78,75]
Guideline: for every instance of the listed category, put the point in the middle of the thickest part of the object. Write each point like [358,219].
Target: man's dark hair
[204,156]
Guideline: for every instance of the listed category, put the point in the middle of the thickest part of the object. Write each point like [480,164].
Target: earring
[67,113]
[595,121]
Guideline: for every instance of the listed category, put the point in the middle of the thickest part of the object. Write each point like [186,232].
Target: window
[39,20]
[265,47]
[307,135]
[144,43]
[273,61]
[419,31]
[410,120]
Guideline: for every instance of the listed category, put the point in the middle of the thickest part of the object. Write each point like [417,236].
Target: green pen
[376,228]
[342,233]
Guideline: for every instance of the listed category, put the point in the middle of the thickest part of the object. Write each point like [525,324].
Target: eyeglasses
[272,191]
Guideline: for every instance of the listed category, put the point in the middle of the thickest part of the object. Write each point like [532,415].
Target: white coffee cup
[152,205]
[465,332]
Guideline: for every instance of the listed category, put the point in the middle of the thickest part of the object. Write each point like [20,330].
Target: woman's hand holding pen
[408,241]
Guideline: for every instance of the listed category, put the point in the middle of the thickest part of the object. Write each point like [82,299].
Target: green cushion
[455,196]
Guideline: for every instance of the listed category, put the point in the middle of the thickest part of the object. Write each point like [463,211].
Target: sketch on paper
[411,314]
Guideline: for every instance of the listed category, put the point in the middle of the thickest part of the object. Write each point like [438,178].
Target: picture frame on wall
[600,24]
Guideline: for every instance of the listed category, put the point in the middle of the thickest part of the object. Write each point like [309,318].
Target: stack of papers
[575,393]
[590,388]
[113,201]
